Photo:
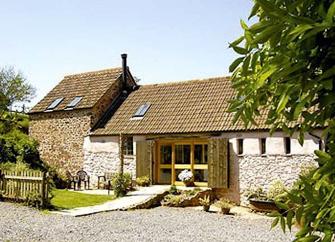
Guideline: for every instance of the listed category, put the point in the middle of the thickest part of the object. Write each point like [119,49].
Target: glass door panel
[165,164]
[183,154]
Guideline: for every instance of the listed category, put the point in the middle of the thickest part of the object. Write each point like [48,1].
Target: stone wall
[101,154]
[260,171]
[61,137]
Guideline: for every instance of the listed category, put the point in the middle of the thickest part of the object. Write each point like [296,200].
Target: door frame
[192,166]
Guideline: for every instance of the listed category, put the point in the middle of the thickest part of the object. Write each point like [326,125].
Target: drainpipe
[121,153]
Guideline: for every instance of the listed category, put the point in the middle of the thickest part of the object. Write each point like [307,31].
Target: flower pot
[189,183]
[206,207]
[262,205]
[225,210]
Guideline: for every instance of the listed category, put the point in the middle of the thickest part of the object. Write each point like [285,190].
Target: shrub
[255,193]
[34,199]
[143,181]
[172,200]
[205,202]
[225,205]
[173,190]
[121,184]
[276,188]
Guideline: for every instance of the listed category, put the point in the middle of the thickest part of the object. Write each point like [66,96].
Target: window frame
[262,146]
[240,144]
[287,145]
[54,104]
[128,145]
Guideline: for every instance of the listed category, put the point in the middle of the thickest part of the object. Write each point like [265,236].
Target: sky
[165,40]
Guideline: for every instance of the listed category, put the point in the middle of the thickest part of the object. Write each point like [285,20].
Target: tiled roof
[181,107]
[89,85]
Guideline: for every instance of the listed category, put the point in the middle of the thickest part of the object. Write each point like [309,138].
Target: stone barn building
[162,129]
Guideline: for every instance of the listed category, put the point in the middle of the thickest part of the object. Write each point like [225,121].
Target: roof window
[141,110]
[54,104]
[74,102]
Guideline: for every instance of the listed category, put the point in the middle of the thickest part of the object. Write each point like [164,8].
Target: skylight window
[54,104]
[74,102]
[141,110]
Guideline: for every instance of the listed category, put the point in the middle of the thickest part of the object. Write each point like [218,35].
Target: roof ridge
[188,81]
[88,73]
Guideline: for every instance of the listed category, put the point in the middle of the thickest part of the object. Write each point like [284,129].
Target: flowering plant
[185,176]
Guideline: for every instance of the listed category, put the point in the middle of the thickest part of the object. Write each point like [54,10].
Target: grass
[64,199]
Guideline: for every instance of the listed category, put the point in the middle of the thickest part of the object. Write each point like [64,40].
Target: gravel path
[19,223]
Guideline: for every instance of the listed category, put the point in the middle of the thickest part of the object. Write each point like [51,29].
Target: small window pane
[166,154]
[142,110]
[287,145]
[200,153]
[74,102]
[240,146]
[263,145]
[55,103]
[201,175]
[128,146]
[165,176]
[183,154]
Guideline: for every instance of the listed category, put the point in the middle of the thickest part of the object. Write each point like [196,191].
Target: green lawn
[64,199]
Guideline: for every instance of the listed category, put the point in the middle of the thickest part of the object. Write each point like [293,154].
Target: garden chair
[83,177]
[104,181]
[71,180]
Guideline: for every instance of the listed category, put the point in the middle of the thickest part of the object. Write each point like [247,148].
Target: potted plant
[205,202]
[186,176]
[225,205]
[265,202]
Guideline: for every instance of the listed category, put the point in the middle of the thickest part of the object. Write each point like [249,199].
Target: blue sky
[165,40]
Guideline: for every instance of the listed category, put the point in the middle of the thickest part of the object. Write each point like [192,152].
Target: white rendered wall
[101,154]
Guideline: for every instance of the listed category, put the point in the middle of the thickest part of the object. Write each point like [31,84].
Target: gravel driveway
[19,223]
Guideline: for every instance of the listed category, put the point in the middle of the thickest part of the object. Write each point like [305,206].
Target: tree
[13,88]
[286,69]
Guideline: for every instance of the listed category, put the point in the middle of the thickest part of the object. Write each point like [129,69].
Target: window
[54,104]
[287,141]
[128,146]
[74,102]
[263,145]
[142,110]
[240,146]
[200,153]
[183,154]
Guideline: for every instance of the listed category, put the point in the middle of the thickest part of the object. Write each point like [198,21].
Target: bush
[34,199]
[172,200]
[173,190]
[15,144]
[276,188]
[206,202]
[225,205]
[121,184]
[143,181]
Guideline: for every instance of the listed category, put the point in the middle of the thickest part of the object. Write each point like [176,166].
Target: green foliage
[121,184]
[35,200]
[15,144]
[276,189]
[225,205]
[13,88]
[172,200]
[173,189]
[286,70]
[143,181]
[255,193]
[205,200]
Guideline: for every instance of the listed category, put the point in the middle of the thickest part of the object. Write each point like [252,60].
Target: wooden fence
[20,185]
